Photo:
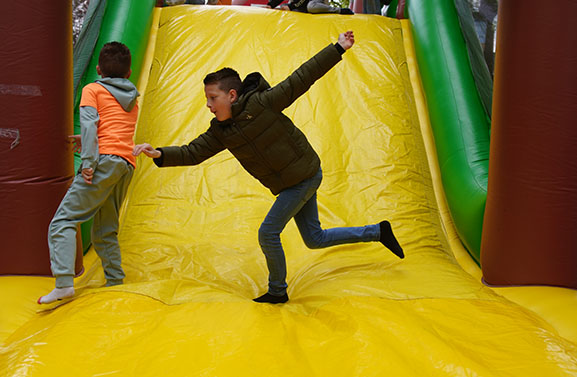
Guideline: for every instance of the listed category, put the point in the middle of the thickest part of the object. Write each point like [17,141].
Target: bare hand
[76,141]
[347,39]
[87,174]
[147,149]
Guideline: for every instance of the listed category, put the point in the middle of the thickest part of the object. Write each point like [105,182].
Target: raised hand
[346,39]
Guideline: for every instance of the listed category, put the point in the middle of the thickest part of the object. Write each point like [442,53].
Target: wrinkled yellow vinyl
[191,253]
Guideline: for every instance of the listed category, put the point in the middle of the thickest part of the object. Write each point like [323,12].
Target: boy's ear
[98,70]
[233,95]
[128,74]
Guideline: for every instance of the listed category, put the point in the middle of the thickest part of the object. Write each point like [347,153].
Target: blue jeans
[300,202]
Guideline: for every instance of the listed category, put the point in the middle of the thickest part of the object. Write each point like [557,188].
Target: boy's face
[219,102]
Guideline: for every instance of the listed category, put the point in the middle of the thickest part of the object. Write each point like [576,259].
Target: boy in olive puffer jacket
[249,123]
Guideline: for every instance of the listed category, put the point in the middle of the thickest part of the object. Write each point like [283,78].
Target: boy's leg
[287,204]
[105,231]
[307,220]
[79,204]
[62,234]
[318,6]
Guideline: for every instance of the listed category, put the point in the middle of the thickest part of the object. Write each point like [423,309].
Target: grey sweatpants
[319,6]
[102,200]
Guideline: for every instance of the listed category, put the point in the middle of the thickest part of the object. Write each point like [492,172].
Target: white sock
[57,294]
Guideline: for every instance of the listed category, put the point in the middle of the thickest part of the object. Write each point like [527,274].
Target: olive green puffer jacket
[259,135]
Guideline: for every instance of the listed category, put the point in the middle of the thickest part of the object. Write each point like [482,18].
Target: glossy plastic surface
[190,248]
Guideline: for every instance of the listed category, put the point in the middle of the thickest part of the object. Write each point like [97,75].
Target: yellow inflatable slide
[190,247]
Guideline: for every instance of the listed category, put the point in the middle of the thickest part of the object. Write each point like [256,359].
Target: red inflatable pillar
[401,10]
[530,224]
[36,163]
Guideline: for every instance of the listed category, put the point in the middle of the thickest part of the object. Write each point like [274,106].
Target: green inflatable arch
[459,118]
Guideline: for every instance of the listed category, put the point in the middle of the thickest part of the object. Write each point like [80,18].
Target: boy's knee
[263,234]
[57,225]
[267,235]
[315,7]
[312,238]
[52,226]
[312,243]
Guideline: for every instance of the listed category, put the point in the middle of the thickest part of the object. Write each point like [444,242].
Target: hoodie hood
[254,82]
[122,89]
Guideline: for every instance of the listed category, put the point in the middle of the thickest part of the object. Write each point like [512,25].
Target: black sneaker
[388,239]
[271,299]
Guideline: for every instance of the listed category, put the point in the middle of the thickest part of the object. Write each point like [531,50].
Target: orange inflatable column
[530,224]
[36,163]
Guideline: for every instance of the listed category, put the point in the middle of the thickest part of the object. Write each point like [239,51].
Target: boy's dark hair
[114,60]
[226,78]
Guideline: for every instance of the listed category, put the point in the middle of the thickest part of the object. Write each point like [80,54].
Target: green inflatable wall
[126,21]
[459,122]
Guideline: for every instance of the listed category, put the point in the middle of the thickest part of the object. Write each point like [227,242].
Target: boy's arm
[286,92]
[202,148]
[89,133]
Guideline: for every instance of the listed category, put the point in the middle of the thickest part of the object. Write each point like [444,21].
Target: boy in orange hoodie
[108,113]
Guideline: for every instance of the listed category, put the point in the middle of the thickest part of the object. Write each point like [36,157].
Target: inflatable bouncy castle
[476,176]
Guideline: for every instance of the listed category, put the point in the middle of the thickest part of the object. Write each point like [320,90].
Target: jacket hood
[254,82]
[122,89]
